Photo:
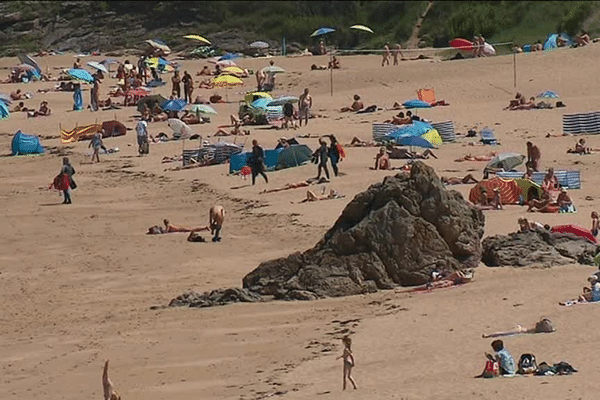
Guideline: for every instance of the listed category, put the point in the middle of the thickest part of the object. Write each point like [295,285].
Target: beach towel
[85,132]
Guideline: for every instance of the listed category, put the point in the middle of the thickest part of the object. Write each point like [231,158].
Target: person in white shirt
[141,129]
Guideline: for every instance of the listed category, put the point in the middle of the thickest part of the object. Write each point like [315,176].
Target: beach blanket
[510,193]
[85,132]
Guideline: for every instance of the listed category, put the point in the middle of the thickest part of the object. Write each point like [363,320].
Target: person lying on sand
[169,228]
[531,226]
[399,153]
[215,98]
[519,100]
[446,278]
[469,157]
[20,107]
[357,142]
[287,186]
[158,115]
[590,294]
[453,180]
[17,95]
[235,131]
[316,67]
[310,196]
[107,385]
[399,119]
[542,326]
[206,84]
[356,106]
[191,118]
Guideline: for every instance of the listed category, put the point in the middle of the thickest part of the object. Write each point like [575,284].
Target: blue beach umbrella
[174,105]
[548,94]
[417,128]
[81,75]
[4,113]
[202,109]
[228,56]
[416,104]
[283,100]
[263,102]
[322,31]
[414,141]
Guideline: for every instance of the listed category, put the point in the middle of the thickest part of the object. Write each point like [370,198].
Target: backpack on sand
[492,369]
[527,364]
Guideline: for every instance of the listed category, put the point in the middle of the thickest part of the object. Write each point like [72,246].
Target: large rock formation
[537,248]
[395,233]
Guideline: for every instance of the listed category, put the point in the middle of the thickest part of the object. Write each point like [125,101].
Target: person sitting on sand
[564,202]
[453,180]
[44,111]
[550,181]
[205,71]
[518,101]
[542,204]
[469,157]
[191,118]
[310,196]
[590,294]
[399,119]
[158,115]
[334,63]
[20,107]
[595,224]
[503,357]
[216,217]
[382,160]
[107,385]
[542,326]
[580,148]
[582,39]
[215,98]
[356,106]
[206,84]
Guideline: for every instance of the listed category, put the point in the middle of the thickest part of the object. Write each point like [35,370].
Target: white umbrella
[180,129]
[98,66]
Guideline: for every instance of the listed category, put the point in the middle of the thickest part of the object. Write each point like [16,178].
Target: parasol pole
[515,68]
[331,72]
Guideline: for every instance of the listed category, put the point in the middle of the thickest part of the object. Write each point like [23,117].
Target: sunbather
[316,67]
[590,294]
[453,180]
[20,107]
[582,39]
[206,84]
[357,142]
[42,112]
[531,226]
[518,101]
[564,202]
[550,181]
[169,228]
[310,196]
[399,119]
[469,157]
[334,63]
[287,186]
[542,326]
[356,106]
[191,118]
[446,278]
[541,205]
[580,148]
[17,95]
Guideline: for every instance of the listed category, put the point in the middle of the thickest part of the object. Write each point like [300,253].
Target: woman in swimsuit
[348,361]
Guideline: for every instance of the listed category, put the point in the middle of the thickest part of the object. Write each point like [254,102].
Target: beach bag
[491,370]
[527,364]
[340,150]
[145,148]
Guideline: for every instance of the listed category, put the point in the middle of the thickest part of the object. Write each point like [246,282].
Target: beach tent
[552,41]
[26,144]
[510,192]
[113,129]
[529,189]
[4,113]
[275,159]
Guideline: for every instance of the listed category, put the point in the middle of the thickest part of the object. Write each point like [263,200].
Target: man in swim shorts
[216,218]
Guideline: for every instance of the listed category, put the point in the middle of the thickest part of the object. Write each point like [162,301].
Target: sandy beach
[77,282]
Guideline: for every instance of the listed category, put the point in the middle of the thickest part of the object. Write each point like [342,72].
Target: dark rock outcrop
[537,248]
[217,297]
[395,233]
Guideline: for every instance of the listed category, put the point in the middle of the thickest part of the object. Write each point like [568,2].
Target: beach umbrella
[158,44]
[150,101]
[233,70]
[226,63]
[25,59]
[198,38]
[283,100]
[4,113]
[510,192]
[180,129]
[575,230]
[227,81]
[25,67]
[273,69]
[108,61]
[414,141]
[228,56]
[362,28]
[202,109]
[261,103]
[506,161]
[81,75]
[462,44]
[98,66]
[322,31]
[416,104]
[174,105]
[259,45]
[548,94]
[433,137]
[417,128]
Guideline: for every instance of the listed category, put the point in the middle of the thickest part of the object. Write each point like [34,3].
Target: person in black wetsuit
[256,162]
[321,157]
[334,154]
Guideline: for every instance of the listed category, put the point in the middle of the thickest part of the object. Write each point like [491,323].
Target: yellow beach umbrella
[227,81]
[198,38]
[362,28]
[433,137]
[233,70]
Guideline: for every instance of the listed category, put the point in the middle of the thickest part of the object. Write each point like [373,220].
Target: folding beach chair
[426,95]
[488,137]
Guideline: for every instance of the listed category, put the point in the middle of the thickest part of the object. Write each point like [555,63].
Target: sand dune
[77,282]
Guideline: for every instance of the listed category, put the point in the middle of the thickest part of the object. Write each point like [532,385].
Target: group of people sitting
[43,111]
[546,203]
[402,119]
[520,103]
[581,148]
[358,106]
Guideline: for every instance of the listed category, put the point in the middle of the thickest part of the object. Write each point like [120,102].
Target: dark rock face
[537,248]
[395,233]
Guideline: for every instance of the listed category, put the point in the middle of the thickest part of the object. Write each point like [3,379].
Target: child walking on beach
[348,361]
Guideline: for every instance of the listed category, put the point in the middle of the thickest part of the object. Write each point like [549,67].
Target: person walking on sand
[141,129]
[96,144]
[334,154]
[349,363]
[256,162]
[216,218]
[397,50]
[386,55]
[176,80]
[66,182]
[304,106]
[533,157]
[188,86]
[107,385]
[321,156]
